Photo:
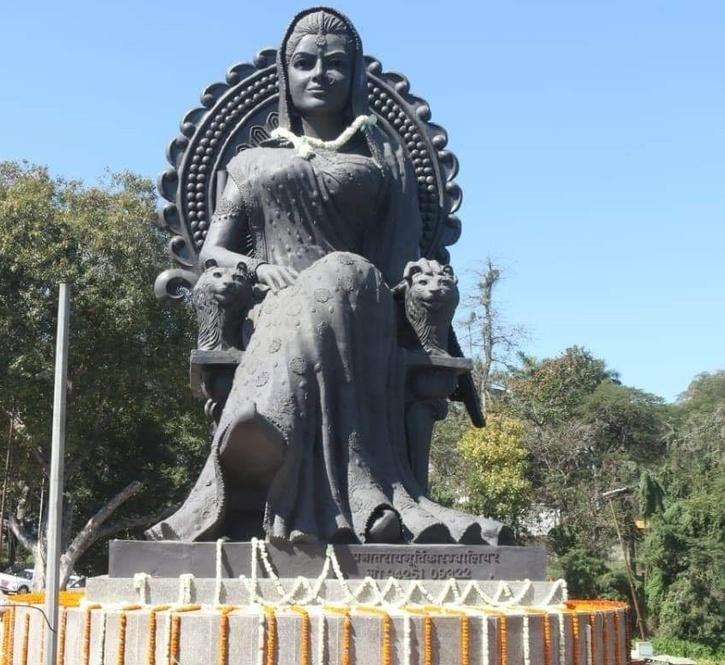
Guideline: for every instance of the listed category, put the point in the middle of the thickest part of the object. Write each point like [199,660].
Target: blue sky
[591,137]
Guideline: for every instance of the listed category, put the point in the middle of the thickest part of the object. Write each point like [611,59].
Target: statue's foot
[384,527]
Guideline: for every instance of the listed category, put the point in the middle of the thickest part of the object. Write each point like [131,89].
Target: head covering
[358,102]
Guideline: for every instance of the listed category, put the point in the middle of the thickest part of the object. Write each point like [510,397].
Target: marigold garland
[63,618]
[223,648]
[87,623]
[427,633]
[575,639]
[8,636]
[271,635]
[503,645]
[151,642]
[25,639]
[346,648]
[617,646]
[121,641]
[547,639]
[173,655]
[386,645]
[304,657]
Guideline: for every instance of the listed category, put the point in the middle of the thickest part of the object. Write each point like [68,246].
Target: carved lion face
[226,287]
[433,287]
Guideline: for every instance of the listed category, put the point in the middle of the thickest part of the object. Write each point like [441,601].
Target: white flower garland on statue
[306,145]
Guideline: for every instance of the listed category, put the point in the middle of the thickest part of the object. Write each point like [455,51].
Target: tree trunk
[485,297]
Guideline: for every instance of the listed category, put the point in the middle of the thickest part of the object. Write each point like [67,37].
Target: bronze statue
[324,433]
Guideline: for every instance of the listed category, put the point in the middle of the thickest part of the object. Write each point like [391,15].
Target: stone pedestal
[404,562]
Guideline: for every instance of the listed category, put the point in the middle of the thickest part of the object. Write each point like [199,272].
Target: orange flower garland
[176,631]
[63,618]
[575,643]
[151,643]
[8,635]
[617,646]
[386,645]
[346,633]
[223,650]
[427,633]
[25,639]
[304,658]
[271,636]
[87,622]
[121,644]
[547,639]
[503,647]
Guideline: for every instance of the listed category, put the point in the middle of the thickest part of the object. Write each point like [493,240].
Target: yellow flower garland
[304,658]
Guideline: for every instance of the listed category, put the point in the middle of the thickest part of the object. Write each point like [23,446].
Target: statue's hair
[316,23]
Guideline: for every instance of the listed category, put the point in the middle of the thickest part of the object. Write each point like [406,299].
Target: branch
[26,540]
[88,534]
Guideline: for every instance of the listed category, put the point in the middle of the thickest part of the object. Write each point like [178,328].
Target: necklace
[305,145]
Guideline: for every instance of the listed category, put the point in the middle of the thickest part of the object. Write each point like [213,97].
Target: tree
[133,432]
[684,550]
[496,463]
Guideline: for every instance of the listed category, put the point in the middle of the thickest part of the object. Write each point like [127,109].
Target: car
[16,580]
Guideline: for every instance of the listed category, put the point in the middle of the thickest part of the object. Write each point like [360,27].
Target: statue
[340,356]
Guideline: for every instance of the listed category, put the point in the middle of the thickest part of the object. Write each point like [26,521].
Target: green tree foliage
[684,550]
[496,462]
[130,415]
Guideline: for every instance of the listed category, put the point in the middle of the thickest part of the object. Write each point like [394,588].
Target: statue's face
[320,74]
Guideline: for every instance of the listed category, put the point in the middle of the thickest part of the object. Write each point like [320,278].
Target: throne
[241,113]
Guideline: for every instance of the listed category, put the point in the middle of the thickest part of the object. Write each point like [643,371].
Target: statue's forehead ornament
[321,39]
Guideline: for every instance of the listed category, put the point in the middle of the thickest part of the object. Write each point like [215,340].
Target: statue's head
[320,68]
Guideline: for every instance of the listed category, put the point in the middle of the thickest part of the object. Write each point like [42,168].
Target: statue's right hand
[275,277]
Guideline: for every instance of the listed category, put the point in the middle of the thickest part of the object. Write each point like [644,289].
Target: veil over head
[358,101]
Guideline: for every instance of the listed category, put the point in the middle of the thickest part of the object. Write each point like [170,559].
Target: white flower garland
[484,640]
[102,639]
[141,586]
[321,631]
[218,570]
[185,582]
[305,144]
[525,640]
[260,636]
[562,638]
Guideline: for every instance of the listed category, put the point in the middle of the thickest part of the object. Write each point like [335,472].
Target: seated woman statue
[325,214]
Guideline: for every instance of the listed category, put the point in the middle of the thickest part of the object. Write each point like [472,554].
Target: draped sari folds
[315,415]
